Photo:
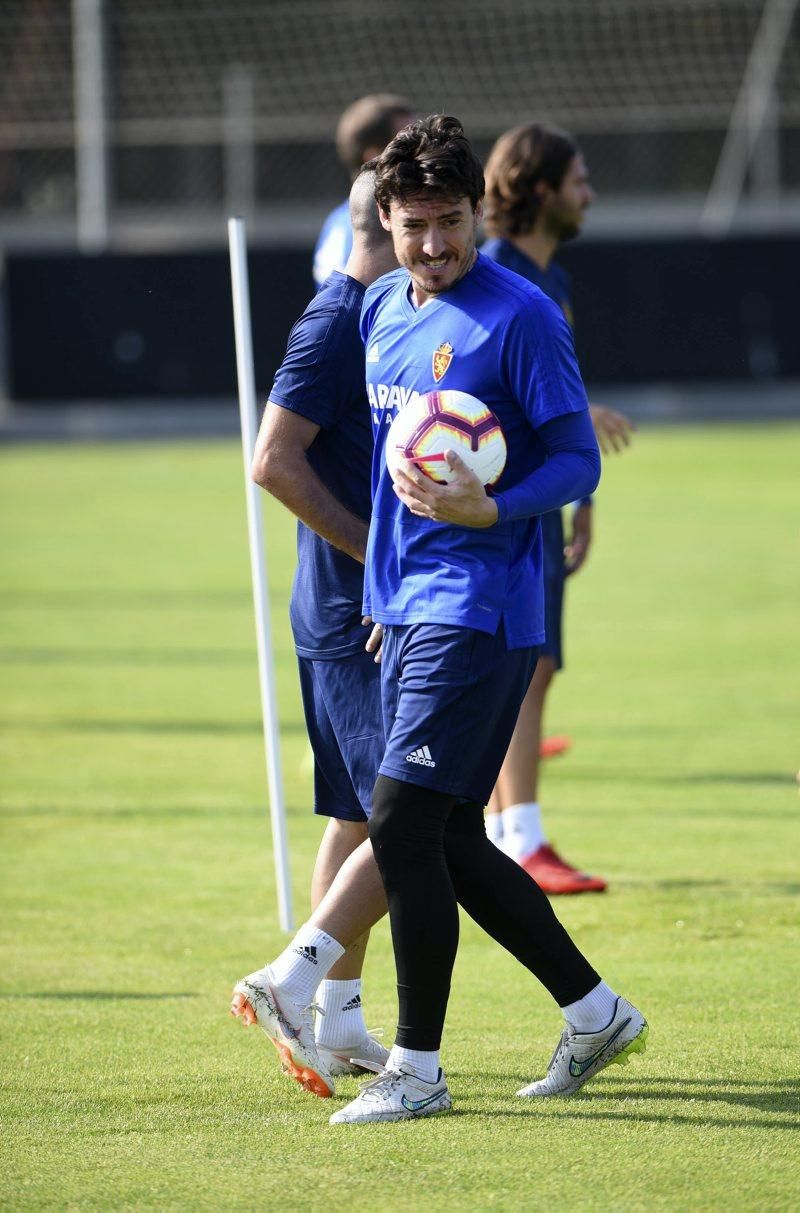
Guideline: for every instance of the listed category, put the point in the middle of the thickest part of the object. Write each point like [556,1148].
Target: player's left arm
[571,471]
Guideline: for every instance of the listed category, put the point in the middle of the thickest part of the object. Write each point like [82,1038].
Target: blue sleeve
[323,368]
[571,471]
[541,369]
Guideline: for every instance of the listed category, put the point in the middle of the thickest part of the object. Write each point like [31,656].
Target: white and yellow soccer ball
[447,421]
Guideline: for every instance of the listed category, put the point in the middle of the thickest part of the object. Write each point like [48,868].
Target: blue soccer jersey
[322,378]
[334,243]
[505,342]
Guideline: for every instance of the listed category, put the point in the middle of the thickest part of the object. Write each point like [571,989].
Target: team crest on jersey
[442,357]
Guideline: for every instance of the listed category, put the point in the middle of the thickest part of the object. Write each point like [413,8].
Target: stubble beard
[433,289]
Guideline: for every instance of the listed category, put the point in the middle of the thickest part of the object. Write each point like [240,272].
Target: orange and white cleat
[554,875]
[551,747]
[290,1027]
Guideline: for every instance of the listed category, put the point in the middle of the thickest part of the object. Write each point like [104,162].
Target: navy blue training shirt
[554,281]
[322,379]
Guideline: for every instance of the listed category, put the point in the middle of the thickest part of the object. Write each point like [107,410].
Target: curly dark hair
[518,161]
[431,158]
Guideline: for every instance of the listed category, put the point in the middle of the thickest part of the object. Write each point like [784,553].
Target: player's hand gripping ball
[447,421]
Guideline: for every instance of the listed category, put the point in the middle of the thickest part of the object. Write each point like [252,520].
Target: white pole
[748,116]
[239,147]
[266,672]
[89,86]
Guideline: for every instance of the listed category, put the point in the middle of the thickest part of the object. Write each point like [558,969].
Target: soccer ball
[447,421]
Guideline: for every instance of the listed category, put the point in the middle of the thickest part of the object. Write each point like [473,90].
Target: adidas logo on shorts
[422,757]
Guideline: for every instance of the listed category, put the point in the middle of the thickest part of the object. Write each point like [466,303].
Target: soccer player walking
[454,575]
[313,453]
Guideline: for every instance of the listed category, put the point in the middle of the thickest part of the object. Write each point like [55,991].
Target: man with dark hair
[363,131]
[537,193]
[313,454]
[454,575]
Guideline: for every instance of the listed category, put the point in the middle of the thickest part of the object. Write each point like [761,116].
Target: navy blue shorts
[451,697]
[342,706]
[554,578]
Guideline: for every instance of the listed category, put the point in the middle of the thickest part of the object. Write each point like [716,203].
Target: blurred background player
[363,131]
[313,454]
[537,193]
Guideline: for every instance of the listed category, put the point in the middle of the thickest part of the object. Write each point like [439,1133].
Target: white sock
[301,967]
[522,829]
[494,827]
[594,1011]
[425,1064]
[341,1023]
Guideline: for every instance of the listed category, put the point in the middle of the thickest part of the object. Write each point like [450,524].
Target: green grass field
[137,878]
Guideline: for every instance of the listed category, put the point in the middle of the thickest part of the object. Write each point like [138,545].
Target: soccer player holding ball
[454,575]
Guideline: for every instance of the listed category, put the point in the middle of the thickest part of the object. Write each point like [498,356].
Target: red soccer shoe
[551,747]
[553,875]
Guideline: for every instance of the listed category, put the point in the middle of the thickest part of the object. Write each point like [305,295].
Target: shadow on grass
[148,810]
[89,657]
[788,888]
[724,778]
[82,599]
[219,727]
[781,1096]
[95,995]
[668,1118]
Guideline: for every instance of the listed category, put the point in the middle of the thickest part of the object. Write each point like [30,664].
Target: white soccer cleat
[396,1094]
[579,1056]
[365,1055]
[289,1026]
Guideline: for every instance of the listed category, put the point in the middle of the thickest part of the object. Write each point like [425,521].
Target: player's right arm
[280,466]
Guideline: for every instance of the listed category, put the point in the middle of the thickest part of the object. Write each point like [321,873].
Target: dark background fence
[122,327]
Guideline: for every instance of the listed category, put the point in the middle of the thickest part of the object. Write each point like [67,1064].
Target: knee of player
[407,822]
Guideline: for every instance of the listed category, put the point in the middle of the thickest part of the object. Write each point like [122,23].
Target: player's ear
[386,222]
[479,212]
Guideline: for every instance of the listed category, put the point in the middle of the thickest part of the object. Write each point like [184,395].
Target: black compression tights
[433,853]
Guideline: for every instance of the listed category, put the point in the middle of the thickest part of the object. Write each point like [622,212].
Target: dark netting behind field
[213,98]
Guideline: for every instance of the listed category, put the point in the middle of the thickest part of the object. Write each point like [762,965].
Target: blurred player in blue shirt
[313,453]
[363,131]
[537,193]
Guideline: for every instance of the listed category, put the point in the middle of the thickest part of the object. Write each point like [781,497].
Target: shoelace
[368,1063]
[559,1049]
[306,1018]
[381,1085]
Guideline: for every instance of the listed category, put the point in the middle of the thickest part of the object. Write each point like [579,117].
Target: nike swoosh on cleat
[577,1068]
[416,1105]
